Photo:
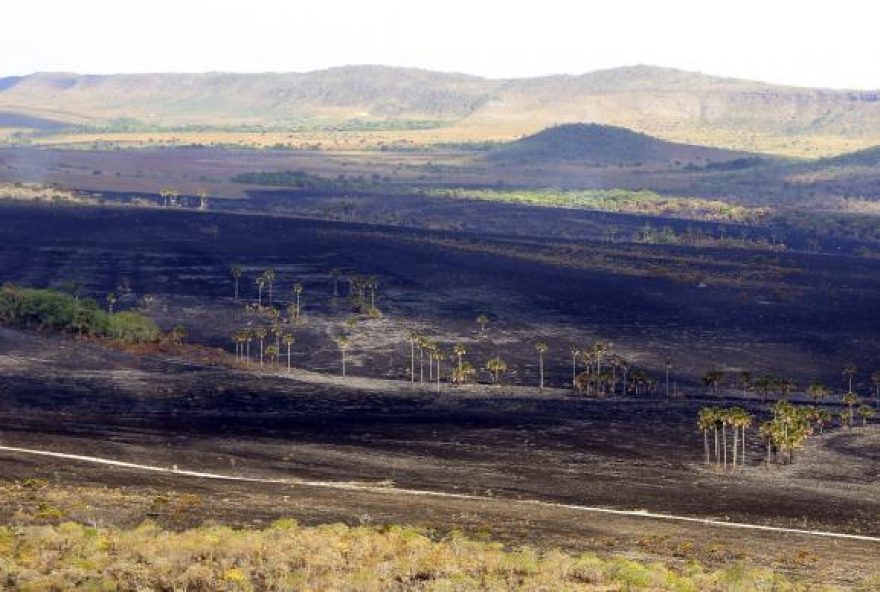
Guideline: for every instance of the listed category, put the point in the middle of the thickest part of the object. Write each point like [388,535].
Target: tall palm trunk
[541,369]
[288,358]
[412,361]
[574,370]
[735,445]
[743,456]
[717,452]
[724,442]
[438,375]
[706,445]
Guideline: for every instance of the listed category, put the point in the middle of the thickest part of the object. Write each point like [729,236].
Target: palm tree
[745,382]
[413,337]
[764,384]
[575,352]
[599,348]
[272,354]
[483,320]
[739,420]
[745,421]
[851,400]
[288,340]
[269,276]
[866,413]
[459,350]
[497,367]
[236,341]
[463,375]
[334,275]
[432,349]
[849,371]
[668,368]
[202,194]
[236,271]
[541,348]
[437,354]
[875,380]
[260,333]
[713,378]
[372,284]
[277,330]
[822,416]
[785,387]
[297,291]
[177,334]
[768,431]
[111,302]
[705,422]
[248,337]
[261,282]
[342,343]
[421,343]
[817,391]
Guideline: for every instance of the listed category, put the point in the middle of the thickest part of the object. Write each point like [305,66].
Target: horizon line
[636,66]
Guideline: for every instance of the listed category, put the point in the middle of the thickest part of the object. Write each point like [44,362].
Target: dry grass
[287,556]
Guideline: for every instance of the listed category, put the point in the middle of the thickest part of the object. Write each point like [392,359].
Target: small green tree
[482,320]
[497,367]
[866,413]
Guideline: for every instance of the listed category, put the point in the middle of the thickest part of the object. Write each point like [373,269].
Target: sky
[804,43]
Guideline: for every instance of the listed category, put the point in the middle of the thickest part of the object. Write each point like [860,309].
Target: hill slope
[666,103]
[601,145]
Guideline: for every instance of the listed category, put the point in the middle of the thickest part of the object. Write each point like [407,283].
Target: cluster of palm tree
[770,386]
[170,196]
[362,294]
[718,420]
[266,321]
[432,352]
[790,427]
[608,373]
[786,431]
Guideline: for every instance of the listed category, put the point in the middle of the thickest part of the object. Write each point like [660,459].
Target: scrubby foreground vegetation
[287,556]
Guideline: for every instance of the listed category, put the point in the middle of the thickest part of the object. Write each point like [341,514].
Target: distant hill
[602,145]
[869,157]
[670,104]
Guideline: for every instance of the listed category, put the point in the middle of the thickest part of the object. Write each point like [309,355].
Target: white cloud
[804,43]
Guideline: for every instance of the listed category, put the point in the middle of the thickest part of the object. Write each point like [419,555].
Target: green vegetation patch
[51,310]
[615,200]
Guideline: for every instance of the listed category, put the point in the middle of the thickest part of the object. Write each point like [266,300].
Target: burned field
[800,315]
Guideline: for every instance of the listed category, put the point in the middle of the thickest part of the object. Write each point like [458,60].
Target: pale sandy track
[390,490]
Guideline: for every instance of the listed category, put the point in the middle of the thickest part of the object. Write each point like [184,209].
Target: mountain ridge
[668,103]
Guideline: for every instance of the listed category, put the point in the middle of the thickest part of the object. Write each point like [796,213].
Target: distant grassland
[413,137]
[287,556]
[616,200]
[328,139]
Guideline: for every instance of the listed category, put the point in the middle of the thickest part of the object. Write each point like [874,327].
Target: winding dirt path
[388,489]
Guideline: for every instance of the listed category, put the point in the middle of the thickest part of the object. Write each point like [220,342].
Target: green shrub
[51,310]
